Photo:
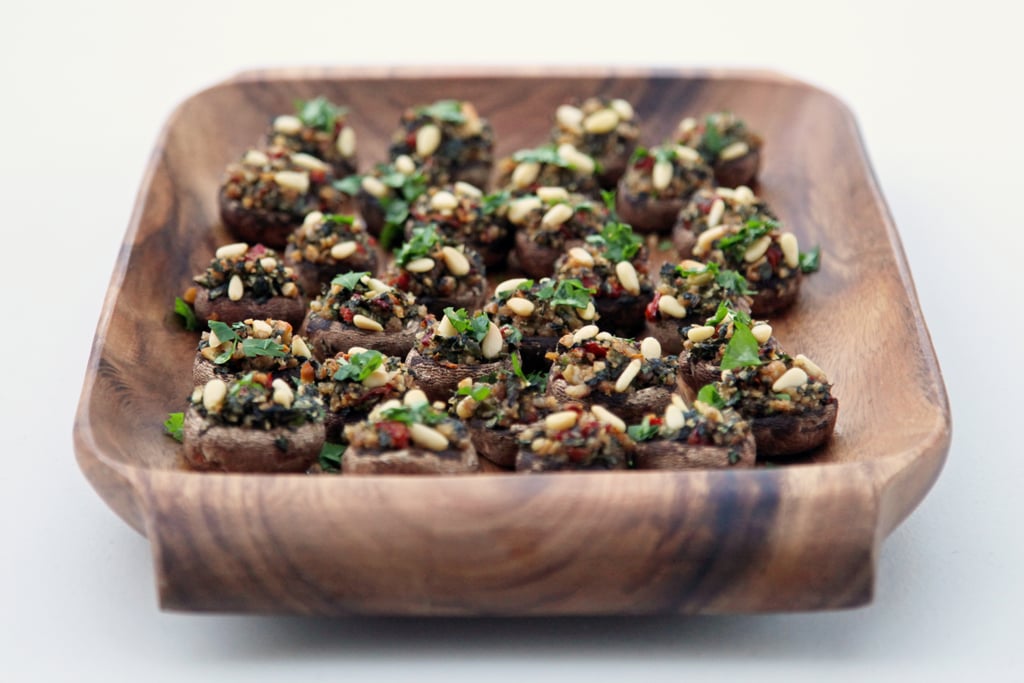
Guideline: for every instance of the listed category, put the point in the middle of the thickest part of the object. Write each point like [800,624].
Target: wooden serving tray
[795,537]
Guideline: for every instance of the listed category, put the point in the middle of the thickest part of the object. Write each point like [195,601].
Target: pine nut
[661,174]
[287,124]
[290,289]
[414,397]
[261,330]
[580,256]
[490,347]
[308,162]
[377,285]
[584,333]
[197,395]
[232,250]
[570,118]
[506,285]
[628,278]
[299,348]
[674,418]
[790,249]
[699,333]
[353,350]
[623,108]
[427,437]
[443,201]
[346,142]
[404,164]
[604,336]
[213,340]
[382,407]
[550,195]
[744,195]
[608,417]
[734,151]
[236,290]
[706,239]
[445,328]
[519,306]
[810,367]
[690,264]
[725,192]
[587,313]
[670,306]
[268,264]
[678,401]
[311,222]
[283,394]
[420,265]
[374,187]
[650,348]
[254,157]
[467,190]
[628,375]
[378,378]
[293,180]
[214,394]
[716,212]
[687,125]
[557,215]
[577,391]
[455,261]
[762,332]
[428,139]
[576,159]
[687,154]
[342,250]
[791,379]
[601,121]
[364,323]
[757,249]
[525,173]
[466,408]
[560,421]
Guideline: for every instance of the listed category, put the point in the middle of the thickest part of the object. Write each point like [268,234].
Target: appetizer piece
[230,351]
[767,257]
[438,272]
[328,245]
[253,424]
[360,310]
[449,140]
[548,166]
[352,382]
[548,223]
[626,377]
[463,215]
[497,407]
[574,439]
[685,438]
[657,184]
[266,195]
[688,294]
[726,144]
[320,129]
[788,401]
[727,340]
[709,208]
[456,346]
[408,437]
[384,196]
[602,128]
[248,282]
[542,312]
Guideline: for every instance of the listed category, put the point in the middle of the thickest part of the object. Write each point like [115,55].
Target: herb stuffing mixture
[385,195]
[410,423]
[357,293]
[353,382]
[257,401]
[252,345]
[597,362]
[462,214]
[278,181]
[553,216]
[240,270]
[780,386]
[542,308]
[730,339]
[548,166]
[574,438]
[709,208]
[666,172]
[503,399]
[329,239]
[593,267]
[719,137]
[600,127]
[704,424]
[318,128]
[430,266]
[458,338]
[449,139]
[692,290]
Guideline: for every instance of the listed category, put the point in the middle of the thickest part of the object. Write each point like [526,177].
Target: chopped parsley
[330,456]
[340,219]
[262,347]
[492,202]
[713,141]
[476,326]
[174,426]
[545,154]
[742,350]
[185,312]
[350,185]
[422,413]
[709,395]
[477,392]
[359,366]
[348,281]
[319,113]
[224,333]
[810,261]
[569,292]
[449,111]
[419,245]
[725,310]
[618,241]
[645,431]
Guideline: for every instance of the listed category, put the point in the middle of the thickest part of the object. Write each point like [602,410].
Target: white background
[85,88]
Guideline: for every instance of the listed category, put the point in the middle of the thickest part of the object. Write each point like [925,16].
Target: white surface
[85,89]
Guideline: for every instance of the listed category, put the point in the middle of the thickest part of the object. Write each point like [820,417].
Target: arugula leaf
[419,245]
[319,112]
[330,456]
[476,326]
[443,110]
[477,392]
[709,395]
[262,347]
[644,431]
[174,426]
[188,316]
[359,366]
[348,280]
[618,241]
[339,218]
[569,292]
[742,349]
[350,185]
[810,261]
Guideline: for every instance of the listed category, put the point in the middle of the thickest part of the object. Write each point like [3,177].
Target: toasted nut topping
[570,118]
[509,284]
[553,194]
[650,348]
[628,375]
[232,250]
[525,173]
[580,255]
[734,151]
[213,340]
[377,285]
[311,222]
[374,187]
[381,407]
[308,162]
[214,394]
[623,108]
[604,336]
[688,124]
[587,313]
[445,328]
[347,141]
[678,401]
[577,390]
[236,290]
[726,192]
[790,249]
[560,421]
[254,157]
[706,239]
[519,209]
[791,379]
[289,289]
[342,250]
[810,367]
[293,180]
[687,154]
[364,323]
[299,348]
[690,264]
[415,397]
[744,195]
[608,417]
[490,347]
[601,121]
[674,418]
[520,306]
[700,333]
[420,265]
[287,124]
[757,249]
[261,330]
[404,164]
[661,174]
[455,261]
[576,159]
[716,212]
[762,332]
[584,333]
[283,394]
[628,278]
[428,139]
[467,190]
[557,215]
[378,378]
[443,201]
[466,408]
[353,350]
[670,306]
[268,263]
[197,395]
[427,437]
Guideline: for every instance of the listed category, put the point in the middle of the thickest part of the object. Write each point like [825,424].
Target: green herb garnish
[188,316]
[359,366]
[644,431]
[224,333]
[810,261]
[477,392]
[736,245]
[523,286]
[330,456]
[492,202]
[742,350]
[476,326]
[339,218]
[348,281]
[545,154]
[422,413]
[733,281]
[262,347]
[709,395]
[319,113]
[421,243]
[569,292]
[618,241]
[174,426]
[350,185]
[665,245]
[713,141]
[443,110]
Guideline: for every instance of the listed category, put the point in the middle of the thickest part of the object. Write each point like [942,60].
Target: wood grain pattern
[797,537]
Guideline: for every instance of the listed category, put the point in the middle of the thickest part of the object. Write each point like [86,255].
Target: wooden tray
[797,537]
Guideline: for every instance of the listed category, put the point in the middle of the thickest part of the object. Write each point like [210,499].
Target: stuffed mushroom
[248,282]
[727,340]
[574,439]
[683,438]
[602,128]
[449,140]
[726,144]
[548,166]
[230,351]
[327,245]
[318,128]
[710,208]
[462,214]
[439,272]
[657,184]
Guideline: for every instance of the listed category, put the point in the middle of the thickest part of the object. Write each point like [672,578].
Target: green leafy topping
[782,397]
[665,245]
[517,367]
[511,335]
[350,185]
[713,141]
[492,202]
[224,333]
[524,286]
[330,456]
[720,313]
[423,240]
[174,426]
[546,154]
[736,245]
[709,395]
[742,349]
[608,198]
[359,366]
[443,110]
[665,154]
[644,431]
[475,326]
[810,261]
[569,292]
[618,241]
[348,281]
[422,413]
[262,347]
[188,316]
[733,281]
[319,113]
[340,219]
[639,153]
[477,392]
